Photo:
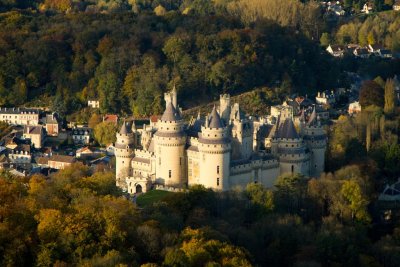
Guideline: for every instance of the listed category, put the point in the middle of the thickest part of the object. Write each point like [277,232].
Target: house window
[217,181]
[169,173]
[217,169]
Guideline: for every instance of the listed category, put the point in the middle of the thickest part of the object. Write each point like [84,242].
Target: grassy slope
[151,197]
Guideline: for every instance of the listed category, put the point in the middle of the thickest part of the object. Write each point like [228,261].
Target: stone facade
[222,150]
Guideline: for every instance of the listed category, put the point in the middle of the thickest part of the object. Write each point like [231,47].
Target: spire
[215,119]
[313,117]
[302,116]
[170,113]
[125,128]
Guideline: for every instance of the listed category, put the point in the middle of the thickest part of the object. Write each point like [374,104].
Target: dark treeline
[128,61]
[74,218]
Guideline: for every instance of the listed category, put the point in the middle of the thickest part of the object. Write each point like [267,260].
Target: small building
[325,98]
[36,134]
[113,118]
[396,5]
[20,155]
[336,50]
[19,116]
[361,53]
[354,107]
[94,103]
[42,162]
[60,162]
[368,8]
[52,124]
[110,150]
[87,152]
[374,48]
[81,135]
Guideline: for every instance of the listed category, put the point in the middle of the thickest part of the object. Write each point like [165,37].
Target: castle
[222,150]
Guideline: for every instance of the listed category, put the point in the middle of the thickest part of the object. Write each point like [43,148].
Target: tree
[260,196]
[390,97]
[325,39]
[160,10]
[356,203]
[105,133]
[94,120]
[371,93]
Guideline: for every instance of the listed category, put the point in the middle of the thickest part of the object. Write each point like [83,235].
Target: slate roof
[287,130]
[170,113]
[62,158]
[125,129]
[33,129]
[18,111]
[215,120]
[313,117]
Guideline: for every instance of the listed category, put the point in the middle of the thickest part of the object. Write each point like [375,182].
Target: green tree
[371,93]
[325,39]
[390,97]
[105,133]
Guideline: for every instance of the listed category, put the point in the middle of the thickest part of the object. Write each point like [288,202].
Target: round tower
[123,154]
[289,146]
[170,140]
[214,153]
[315,138]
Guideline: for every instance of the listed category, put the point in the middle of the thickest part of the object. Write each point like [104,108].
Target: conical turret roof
[313,117]
[287,130]
[125,129]
[215,120]
[170,113]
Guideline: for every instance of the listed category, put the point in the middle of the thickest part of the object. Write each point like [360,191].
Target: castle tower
[170,140]
[123,154]
[242,134]
[225,107]
[315,138]
[214,153]
[289,147]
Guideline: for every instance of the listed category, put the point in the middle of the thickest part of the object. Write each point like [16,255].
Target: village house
[93,103]
[81,135]
[60,162]
[52,124]
[368,8]
[396,5]
[336,50]
[354,107]
[20,155]
[19,116]
[111,118]
[325,98]
[35,134]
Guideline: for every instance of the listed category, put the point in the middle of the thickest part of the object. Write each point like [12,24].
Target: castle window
[169,173]
[159,161]
[180,161]
[217,181]
[292,168]
[217,169]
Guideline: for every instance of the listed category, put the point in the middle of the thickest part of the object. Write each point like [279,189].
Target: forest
[78,218]
[127,57]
